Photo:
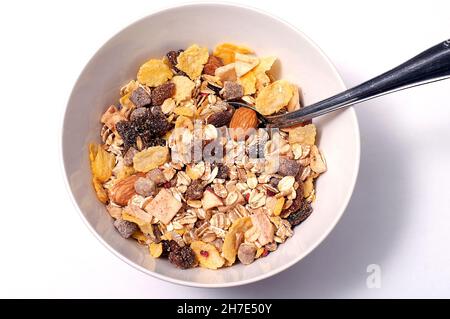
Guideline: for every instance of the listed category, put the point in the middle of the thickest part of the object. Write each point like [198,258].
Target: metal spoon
[429,66]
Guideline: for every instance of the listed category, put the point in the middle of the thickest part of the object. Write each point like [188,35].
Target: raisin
[127,132]
[140,97]
[300,215]
[157,122]
[232,90]
[182,257]
[296,203]
[223,171]
[165,248]
[162,92]
[274,181]
[144,186]
[139,114]
[125,228]
[219,119]
[195,190]
[158,141]
[288,167]
[172,56]
[212,64]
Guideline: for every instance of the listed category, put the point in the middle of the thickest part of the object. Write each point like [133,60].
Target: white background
[398,218]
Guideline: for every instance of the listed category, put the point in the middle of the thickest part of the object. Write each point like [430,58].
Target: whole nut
[242,123]
[144,186]
[246,253]
[122,191]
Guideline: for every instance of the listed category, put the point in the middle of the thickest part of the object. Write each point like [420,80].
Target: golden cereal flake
[244,63]
[102,162]
[207,255]
[274,97]
[155,250]
[303,134]
[192,60]
[248,82]
[153,73]
[229,249]
[227,51]
[150,158]
[183,88]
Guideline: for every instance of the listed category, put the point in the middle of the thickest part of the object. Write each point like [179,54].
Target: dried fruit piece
[123,190]
[303,134]
[157,176]
[227,51]
[274,97]
[183,88]
[164,206]
[278,206]
[153,73]
[219,119]
[223,171]
[156,249]
[134,214]
[195,190]
[172,58]
[244,63]
[265,227]
[229,249]
[114,211]
[232,90]
[144,186]
[212,64]
[128,157]
[140,97]
[226,73]
[210,200]
[162,92]
[182,257]
[125,228]
[246,253]
[102,162]
[207,255]
[127,132]
[300,215]
[242,123]
[288,167]
[150,158]
[191,60]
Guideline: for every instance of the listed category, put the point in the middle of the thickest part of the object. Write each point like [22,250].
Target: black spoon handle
[429,66]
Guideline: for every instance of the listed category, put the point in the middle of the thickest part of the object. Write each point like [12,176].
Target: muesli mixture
[196,180]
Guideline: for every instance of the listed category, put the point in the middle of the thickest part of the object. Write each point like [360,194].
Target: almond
[243,121]
[122,191]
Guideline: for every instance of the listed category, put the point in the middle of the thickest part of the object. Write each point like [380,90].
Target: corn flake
[303,134]
[229,249]
[183,88]
[248,82]
[274,97]
[207,255]
[155,250]
[150,158]
[153,73]
[227,51]
[244,63]
[192,60]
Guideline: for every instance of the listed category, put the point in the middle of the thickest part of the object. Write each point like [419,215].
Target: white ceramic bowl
[302,62]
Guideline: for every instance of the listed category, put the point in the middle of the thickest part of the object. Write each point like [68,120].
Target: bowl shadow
[366,233]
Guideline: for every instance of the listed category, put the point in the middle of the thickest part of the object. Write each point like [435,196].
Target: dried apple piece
[229,249]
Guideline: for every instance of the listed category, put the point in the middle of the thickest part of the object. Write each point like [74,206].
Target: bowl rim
[265,275]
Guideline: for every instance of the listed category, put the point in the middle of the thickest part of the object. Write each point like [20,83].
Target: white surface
[398,217]
[99,85]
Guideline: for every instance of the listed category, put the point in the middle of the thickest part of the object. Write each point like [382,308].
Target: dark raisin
[162,92]
[223,171]
[182,257]
[274,181]
[140,97]
[232,90]
[157,122]
[219,119]
[172,57]
[127,132]
[125,228]
[158,141]
[165,248]
[195,190]
[295,218]
[212,64]
[288,167]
